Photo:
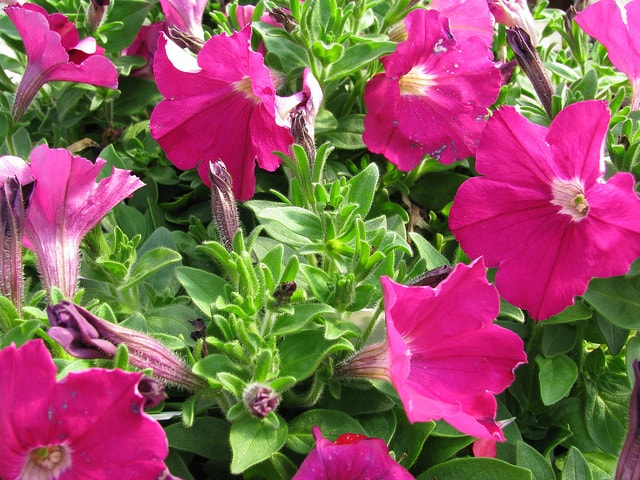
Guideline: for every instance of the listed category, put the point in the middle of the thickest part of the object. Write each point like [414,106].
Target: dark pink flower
[433,95]
[90,424]
[618,32]
[543,212]
[443,353]
[222,108]
[67,203]
[351,457]
[55,53]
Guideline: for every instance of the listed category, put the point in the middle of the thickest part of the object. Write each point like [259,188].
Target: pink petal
[440,339]
[467,18]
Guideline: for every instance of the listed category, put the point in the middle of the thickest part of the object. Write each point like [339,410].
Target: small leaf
[204,288]
[476,469]
[556,375]
[254,440]
[529,458]
[575,466]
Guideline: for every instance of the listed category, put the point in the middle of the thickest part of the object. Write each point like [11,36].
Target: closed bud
[223,203]
[260,399]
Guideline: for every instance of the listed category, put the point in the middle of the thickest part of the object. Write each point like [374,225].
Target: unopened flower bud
[95,13]
[83,335]
[14,203]
[629,461]
[152,390]
[223,203]
[184,40]
[284,18]
[260,399]
[529,60]
[283,292]
[431,278]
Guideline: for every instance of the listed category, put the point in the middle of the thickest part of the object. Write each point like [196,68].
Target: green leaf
[606,416]
[207,438]
[556,376]
[282,49]
[602,465]
[363,188]
[575,466]
[131,13]
[529,458]
[357,57]
[409,438]
[617,299]
[558,339]
[288,224]
[348,133]
[427,251]
[435,190]
[204,288]
[302,353]
[150,262]
[332,424]
[254,440]
[21,334]
[475,469]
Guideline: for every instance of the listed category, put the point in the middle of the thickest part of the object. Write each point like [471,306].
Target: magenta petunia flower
[350,457]
[222,108]
[618,32]
[433,95]
[67,203]
[440,352]
[90,424]
[145,45]
[543,212]
[55,53]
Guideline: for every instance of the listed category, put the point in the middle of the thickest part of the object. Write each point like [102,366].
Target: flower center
[244,86]
[46,463]
[570,197]
[416,82]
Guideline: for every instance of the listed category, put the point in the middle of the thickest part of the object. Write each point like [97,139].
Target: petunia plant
[321,239]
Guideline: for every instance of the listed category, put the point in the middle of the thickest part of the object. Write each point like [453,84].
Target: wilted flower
[260,399]
[440,352]
[84,335]
[222,108]
[55,53]
[90,424]
[543,213]
[95,13]
[16,187]
[350,457]
[66,204]
[433,95]
[618,32]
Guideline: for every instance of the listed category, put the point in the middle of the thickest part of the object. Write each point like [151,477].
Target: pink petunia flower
[221,108]
[514,13]
[617,30]
[350,457]
[543,212]
[441,351]
[432,97]
[145,45]
[67,203]
[55,53]
[90,424]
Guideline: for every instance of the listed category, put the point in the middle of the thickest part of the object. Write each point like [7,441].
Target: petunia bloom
[440,352]
[85,335]
[222,108]
[618,32]
[467,18]
[55,53]
[514,13]
[350,457]
[90,424]
[433,96]
[67,203]
[543,213]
